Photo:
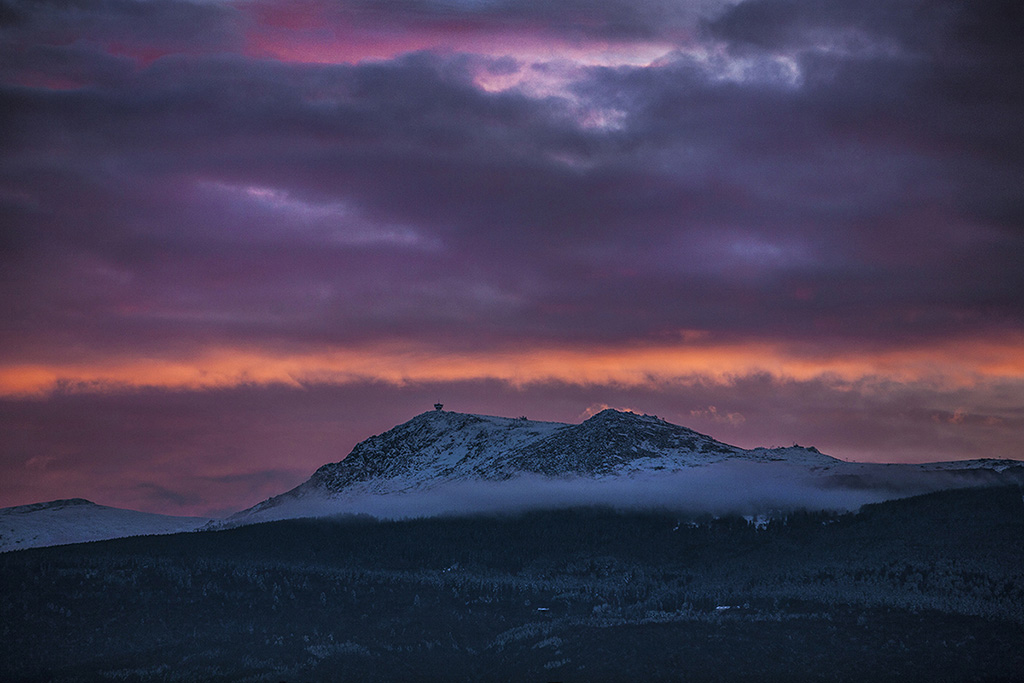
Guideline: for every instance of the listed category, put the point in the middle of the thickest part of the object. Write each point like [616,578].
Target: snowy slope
[78,520]
[615,443]
[434,446]
[431,448]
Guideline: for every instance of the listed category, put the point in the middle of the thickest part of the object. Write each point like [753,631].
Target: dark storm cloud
[939,76]
[989,26]
[616,20]
[857,196]
[137,28]
[147,29]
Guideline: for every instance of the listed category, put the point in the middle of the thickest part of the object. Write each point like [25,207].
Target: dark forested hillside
[927,588]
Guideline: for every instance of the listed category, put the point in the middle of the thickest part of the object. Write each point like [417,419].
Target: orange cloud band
[960,364]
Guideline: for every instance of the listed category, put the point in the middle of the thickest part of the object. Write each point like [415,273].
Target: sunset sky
[238,237]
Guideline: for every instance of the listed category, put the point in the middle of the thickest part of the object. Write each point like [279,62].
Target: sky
[239,236]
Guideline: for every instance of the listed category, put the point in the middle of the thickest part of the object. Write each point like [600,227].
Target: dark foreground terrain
[927,588]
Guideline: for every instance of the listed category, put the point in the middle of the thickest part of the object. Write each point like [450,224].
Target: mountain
[445,462]
[77,520]
[442,448]
[441,445]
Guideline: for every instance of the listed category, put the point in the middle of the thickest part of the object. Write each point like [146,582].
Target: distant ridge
[59,504]
[77,520]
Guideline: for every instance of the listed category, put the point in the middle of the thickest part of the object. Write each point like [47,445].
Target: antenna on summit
[438,406]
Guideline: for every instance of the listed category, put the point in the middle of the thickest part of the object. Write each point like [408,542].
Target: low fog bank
[741,488]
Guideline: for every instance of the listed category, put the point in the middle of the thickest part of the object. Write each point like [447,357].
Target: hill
[925,588]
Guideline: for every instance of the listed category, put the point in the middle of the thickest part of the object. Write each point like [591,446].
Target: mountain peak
[440,445]
[610,415]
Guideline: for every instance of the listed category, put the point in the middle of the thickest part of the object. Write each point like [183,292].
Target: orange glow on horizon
[951,364]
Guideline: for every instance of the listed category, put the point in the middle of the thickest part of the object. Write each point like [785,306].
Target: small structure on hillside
[438,406]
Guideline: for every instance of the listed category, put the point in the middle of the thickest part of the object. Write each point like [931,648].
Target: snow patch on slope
[77,520]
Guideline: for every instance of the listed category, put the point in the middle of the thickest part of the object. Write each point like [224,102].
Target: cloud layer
[721,489]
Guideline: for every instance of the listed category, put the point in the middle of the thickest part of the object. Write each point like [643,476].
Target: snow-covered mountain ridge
[441,447]
[623,456]
[76,520]
[449,445]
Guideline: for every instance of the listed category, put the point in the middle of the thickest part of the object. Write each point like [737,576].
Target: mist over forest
[725,488]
